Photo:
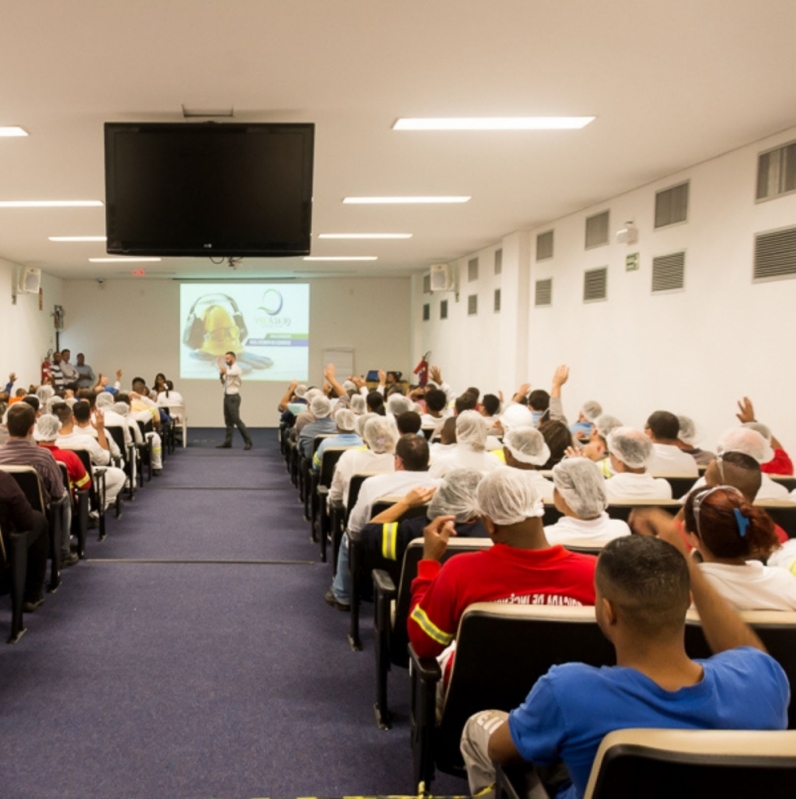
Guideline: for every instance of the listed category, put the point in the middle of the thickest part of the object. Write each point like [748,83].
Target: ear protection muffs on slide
[194,334]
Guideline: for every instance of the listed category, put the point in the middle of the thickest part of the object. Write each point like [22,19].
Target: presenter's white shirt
[357,461]
[671,461]
[232,379]
[597,531]
[752,586]
[464,457]
[769,489]
[625,487]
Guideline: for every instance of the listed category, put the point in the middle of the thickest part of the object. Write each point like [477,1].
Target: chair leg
[18,547]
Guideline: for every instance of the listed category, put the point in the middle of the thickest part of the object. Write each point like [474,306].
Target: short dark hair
[81,411]
[408,422]
[375,402]
[138,380]
[122,396]
[664,425]
[448,433]
[413,451]
[33,401]
[21,417]
[230,352]
[491,404]
[466,402]
[63,412]
[539,400]
[436,400]
[647,580]
[66,349]
[558,437]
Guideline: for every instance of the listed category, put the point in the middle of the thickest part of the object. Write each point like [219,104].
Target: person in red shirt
[47,428]
[520,568]
[781,462]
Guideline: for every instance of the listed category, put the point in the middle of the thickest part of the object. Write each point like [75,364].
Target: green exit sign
[631,262]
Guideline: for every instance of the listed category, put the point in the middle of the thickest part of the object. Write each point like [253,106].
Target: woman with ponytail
[733,536]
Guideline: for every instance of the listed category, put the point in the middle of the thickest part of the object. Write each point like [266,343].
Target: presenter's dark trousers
[232,418]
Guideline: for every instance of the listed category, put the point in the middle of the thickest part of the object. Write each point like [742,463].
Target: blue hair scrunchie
[741,521]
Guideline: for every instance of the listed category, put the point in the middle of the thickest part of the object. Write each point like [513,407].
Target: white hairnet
[348,385]
[398,404]
[44,393]
[122,408]
[764,430]
[345,420]
[507,496]
[527,445]
[358,404]
[630,446]
[362,421]
[582,486]
[47,428]
[300,390]
[471,430]
[748,441]
[688,431]
[311,393]
[456,495]
[49,406]
[380,434]
[605,423]
[591,410]
[104,400]
[320,407]
[418,409]
[516,416]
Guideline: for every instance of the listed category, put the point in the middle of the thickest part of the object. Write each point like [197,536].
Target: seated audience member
[345,422]
[630,451]
[539,404]
[667,457]
[516,415]
[435,380]
[398,404]
[83,425]
[581,430]
[643,589]
[558,438]
[34,402]
[465,402]
[597,448]
[447,440]
[520,568]
[524,448]
[436,408]
[145,407]
[158,385]
[455,497]
[293,402]
[375,403]
[46,434]
[408,422]
[44,394]
[105,402]
[780,463]
[490,407]
[686,440]
[20,450]
[750,442]
[306,416]
[381,437]
[580,496]
[170,399]
[469,452]
[86,377]
[358,405]
[321,409]
[140,409]
[731,535]
[410,471]
[17,515]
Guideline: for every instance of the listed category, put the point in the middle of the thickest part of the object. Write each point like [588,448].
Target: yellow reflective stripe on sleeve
[485,791]
[83,481]
[389,540]
[429,628]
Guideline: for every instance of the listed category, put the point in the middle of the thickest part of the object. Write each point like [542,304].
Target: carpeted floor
[160,670]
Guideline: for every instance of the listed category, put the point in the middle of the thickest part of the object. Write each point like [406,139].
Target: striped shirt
[22,452]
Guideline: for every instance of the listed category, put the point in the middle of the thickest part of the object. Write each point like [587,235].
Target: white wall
[26,333]
[695,351]
[136,325]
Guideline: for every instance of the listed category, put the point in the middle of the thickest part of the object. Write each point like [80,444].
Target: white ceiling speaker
[29,280]
[441,277]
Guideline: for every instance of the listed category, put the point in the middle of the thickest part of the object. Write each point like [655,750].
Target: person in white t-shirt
[667,458]
[580,496]
[470,450]
[525,448]
[630,450]
[731,534]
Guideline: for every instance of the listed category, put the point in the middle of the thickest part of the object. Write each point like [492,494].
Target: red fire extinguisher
[45,368]
[421,370]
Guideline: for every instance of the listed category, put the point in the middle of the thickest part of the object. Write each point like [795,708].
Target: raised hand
[561,375]
[435,374]
[382,377]
[419,496]
[747,411]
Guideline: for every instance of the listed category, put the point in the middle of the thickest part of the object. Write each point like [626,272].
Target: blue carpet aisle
[192,656]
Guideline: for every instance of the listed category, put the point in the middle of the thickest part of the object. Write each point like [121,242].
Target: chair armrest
[425,674]
[323,491]
[426,670]
[336,504]
[383,586]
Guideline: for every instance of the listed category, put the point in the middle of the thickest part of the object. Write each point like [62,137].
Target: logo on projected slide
[270,309]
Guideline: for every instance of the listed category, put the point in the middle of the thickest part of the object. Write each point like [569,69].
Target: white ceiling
[672,83]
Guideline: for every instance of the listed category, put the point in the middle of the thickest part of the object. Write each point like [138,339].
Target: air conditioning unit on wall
[29,280]
[442,278]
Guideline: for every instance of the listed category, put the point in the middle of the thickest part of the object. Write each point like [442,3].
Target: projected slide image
[266,325]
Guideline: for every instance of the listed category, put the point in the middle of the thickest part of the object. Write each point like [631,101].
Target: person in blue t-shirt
[642,586]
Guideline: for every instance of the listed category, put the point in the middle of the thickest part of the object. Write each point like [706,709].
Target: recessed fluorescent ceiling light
[50,203]
[365,236]
[122,260]
[341,258]
[12,130]
[76,238]
[494,123]
[401,200]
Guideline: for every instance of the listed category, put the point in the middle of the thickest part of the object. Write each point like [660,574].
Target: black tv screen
[196,189]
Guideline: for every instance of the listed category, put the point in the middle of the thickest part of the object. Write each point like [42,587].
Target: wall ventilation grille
[597,230]
[426,312]
[776,172]
[595,284]
[544,292]
[472,304]
[775,254]
[472,270]
[498,262]
[544,246]
[671,205]
[668,272]
[443,309]
[426,284]
[497,301]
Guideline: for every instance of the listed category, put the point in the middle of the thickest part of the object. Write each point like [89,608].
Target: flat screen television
[199,189]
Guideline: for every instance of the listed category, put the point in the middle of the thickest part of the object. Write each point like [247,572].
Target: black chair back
[783,514]
[680,485]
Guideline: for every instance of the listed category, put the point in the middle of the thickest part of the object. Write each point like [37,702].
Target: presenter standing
[230,375]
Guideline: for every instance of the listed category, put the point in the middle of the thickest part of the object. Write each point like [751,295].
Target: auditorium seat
[789,481]
[339,514]
[783,513]
[79,512]
[322,480]
[97,493]
[13,565]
